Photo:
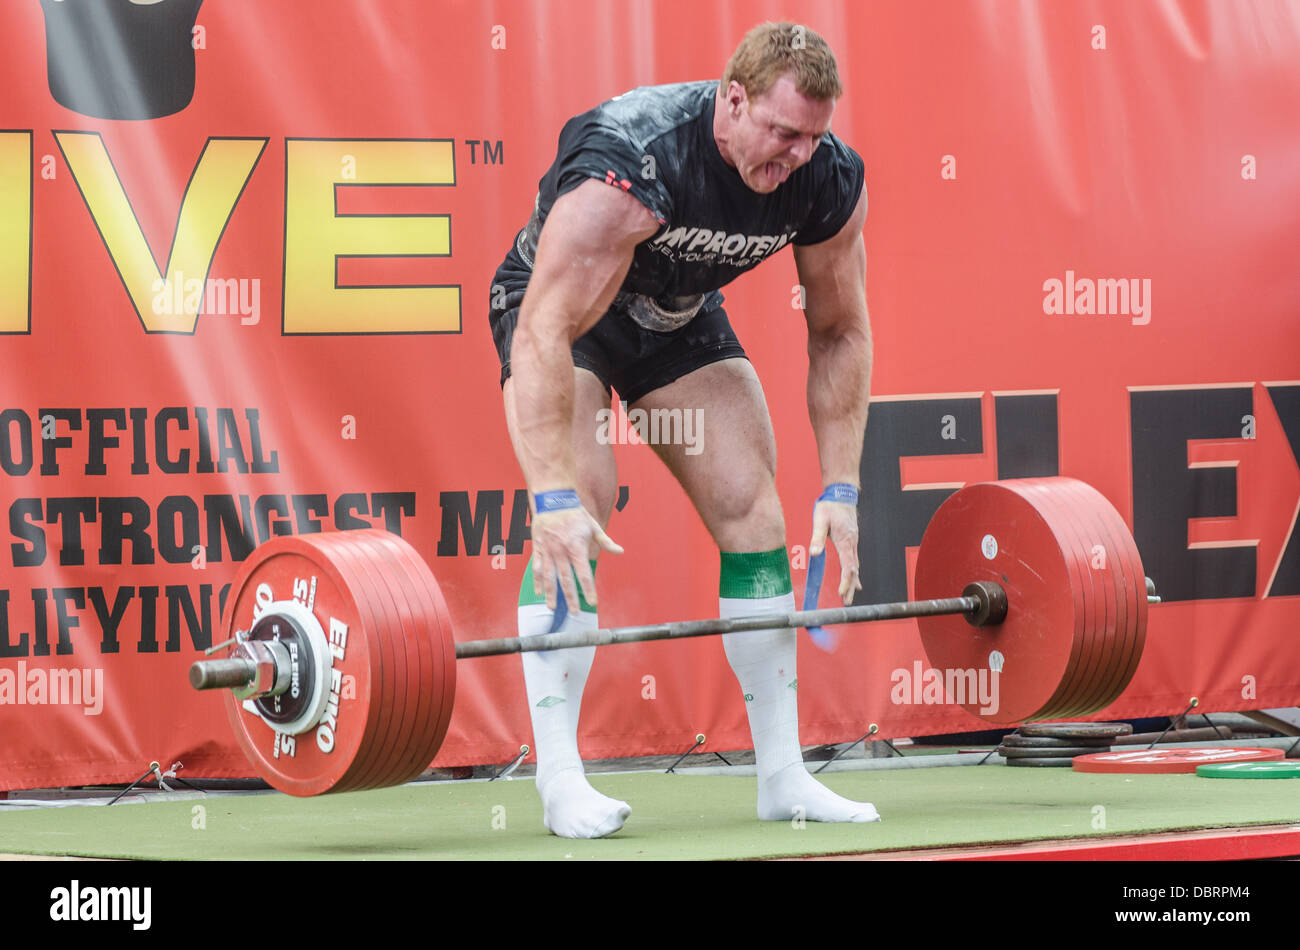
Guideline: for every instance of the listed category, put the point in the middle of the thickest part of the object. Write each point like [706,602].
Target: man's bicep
[583,254]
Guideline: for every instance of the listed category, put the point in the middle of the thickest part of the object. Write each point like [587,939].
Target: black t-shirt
[656,142]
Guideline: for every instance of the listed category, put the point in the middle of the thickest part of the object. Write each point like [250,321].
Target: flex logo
[1215,479]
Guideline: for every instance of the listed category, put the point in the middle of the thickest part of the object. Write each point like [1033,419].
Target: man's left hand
[839,519]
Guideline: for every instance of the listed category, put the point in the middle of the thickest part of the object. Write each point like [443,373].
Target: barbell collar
[222,674]
[992,600]
[260,668]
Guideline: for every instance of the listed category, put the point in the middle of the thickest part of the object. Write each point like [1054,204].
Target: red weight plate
[1028,559]
[1059,492]
[332,591]
[407,708]
[436,635]
[440,656]
[1131,585]
[383,671]
[1120,640]
[379,760]
[1049,494]
[1114,643]
[379,756]
[419,706]
[1134,578]
[1046,494]
[415,709]
[443,639]
[1099,550]
[1170,760]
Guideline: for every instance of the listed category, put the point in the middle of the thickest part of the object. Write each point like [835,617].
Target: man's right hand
[561,541]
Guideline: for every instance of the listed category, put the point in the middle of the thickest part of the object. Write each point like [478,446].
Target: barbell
[342,655]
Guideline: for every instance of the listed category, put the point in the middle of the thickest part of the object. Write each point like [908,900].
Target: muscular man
[655,200]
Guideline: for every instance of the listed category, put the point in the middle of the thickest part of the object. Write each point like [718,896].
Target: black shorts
[623,354]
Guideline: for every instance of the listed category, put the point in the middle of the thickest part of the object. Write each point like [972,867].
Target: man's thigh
[711,428]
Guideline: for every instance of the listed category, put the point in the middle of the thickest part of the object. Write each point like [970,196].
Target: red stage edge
[1213,844]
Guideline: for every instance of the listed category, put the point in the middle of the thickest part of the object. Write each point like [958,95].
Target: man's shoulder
[647,113]
[834,153]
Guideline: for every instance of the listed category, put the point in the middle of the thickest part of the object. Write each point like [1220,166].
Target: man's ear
[736,99]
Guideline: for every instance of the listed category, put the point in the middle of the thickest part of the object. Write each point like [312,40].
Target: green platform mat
[674,818]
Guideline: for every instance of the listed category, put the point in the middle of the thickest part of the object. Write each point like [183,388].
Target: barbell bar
[982,603]
[342,653]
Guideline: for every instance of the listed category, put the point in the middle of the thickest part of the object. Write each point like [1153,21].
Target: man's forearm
[542,378]
[839,390]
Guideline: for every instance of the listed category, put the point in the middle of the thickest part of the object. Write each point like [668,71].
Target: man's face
[775,133]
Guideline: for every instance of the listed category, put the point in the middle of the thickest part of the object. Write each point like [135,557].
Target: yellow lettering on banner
[315,236]
[215,186]
[15,231]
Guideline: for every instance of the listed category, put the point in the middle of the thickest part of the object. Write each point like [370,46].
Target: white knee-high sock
[764,664]
[555,681]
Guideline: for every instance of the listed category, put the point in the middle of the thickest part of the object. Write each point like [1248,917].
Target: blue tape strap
[561,610]
[557,619]
[559,500]
[821,637]
[840,491]
[812,589]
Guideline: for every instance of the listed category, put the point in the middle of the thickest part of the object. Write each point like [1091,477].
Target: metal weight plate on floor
[991,531]
[324,758]
[397,716]
[1014,752]
[1170,760]
[1049,496]
[1257,770]
[427,683]
[1039,762]
[1076,730]
[1046,742]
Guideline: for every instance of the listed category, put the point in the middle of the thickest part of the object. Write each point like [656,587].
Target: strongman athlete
[656,199]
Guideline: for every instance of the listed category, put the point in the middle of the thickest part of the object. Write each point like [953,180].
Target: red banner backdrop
[219,327]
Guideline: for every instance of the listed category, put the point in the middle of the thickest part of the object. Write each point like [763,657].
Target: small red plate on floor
[1169,760]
